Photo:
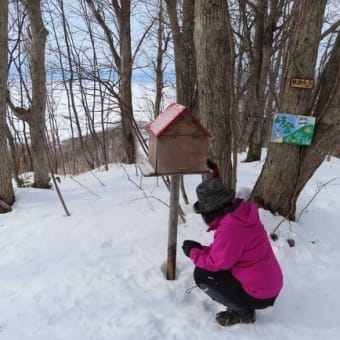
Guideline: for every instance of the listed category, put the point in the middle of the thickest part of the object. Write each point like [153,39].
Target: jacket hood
[246,215]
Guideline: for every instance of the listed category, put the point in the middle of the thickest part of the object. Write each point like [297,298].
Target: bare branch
[319,188]
[141,41]
[330,29]
[106,30]
[20,112]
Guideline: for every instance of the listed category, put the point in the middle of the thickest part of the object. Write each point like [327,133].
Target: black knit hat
[212,195]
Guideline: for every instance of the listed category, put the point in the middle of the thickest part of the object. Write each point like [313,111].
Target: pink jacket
[241,245]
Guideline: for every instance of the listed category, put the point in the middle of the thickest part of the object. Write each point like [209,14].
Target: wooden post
[172,231]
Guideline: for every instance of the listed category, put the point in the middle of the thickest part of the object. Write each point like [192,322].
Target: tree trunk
[129,152]
[265,25]
[184,50]
[280,181]
[327,131]
[6,188]
[214,62]
[185,64]
[38,105]
[159,72]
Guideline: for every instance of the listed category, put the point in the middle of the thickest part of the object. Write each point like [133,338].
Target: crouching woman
[238,269]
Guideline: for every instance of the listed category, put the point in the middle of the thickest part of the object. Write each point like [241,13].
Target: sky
[99,274]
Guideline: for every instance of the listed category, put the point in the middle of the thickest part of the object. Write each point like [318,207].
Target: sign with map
[292,129]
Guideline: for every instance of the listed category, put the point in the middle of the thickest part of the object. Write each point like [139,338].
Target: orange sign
[302,83]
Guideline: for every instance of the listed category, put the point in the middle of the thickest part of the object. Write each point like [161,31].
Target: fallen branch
[85,187]
[99,180]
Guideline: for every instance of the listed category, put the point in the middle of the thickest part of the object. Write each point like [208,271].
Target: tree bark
[265,24]
[35,114]
[36,117]
[125,103]
[288,167]
[184,51]
[6,188]
[215,65]
[159,62]
[328,119]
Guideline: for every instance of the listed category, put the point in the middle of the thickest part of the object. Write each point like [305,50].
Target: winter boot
[230,317]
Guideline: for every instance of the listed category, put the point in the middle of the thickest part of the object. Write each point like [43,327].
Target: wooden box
[178,143]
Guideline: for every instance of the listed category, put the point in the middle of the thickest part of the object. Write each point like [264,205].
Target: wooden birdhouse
[178,143]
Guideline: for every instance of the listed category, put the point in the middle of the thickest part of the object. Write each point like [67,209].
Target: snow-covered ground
[99,274]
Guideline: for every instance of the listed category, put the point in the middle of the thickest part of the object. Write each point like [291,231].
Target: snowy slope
[99,274]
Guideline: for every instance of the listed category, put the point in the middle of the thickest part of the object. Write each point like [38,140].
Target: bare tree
[73,85]
[288,167]
[184,51]
[162,45]
[123,59]
[6,188]
[215,70]
[35,114]
[267,14]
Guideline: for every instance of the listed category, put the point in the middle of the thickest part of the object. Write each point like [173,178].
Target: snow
[99,274]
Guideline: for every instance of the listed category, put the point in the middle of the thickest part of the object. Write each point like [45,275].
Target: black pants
[225,289]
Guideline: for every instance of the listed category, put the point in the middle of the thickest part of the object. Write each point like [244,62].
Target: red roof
[169,115]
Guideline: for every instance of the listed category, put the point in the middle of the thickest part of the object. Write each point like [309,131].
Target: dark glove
[188,245]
